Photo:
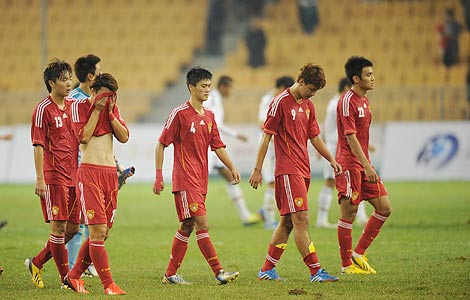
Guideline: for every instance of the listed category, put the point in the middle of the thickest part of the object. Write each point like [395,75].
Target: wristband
[159,175]
[111,116]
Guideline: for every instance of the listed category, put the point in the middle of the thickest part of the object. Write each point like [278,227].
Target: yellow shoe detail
[362,263]
[353,270]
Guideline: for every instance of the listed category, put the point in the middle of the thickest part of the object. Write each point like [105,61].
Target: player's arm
[159,156]
[356,149]
[225,159]
[89,128]
[232,132]
[40,188]
[120,130]
[320,146]
[256,178]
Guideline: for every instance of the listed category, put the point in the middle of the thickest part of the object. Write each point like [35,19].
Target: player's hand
[336,167]
[256,178]
[112,102]
[371,174]
[159,184]
[236,176]
[242,137]
[40,188]
[100,102]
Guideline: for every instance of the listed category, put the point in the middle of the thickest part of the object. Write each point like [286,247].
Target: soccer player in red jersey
[291,118]
[359,181]
[191,128]
[55,162]
[96,121]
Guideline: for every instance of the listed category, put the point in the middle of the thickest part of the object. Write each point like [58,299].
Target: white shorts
[328,172]
[269,164]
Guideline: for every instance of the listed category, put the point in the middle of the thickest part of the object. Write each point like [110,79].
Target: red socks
[207,249]
[371,230]
[273,256]
[345,242]
[83,261]
[311,260]
[59,253]
[99,256]
[178,251]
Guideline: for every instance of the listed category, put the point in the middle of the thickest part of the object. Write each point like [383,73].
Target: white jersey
[330,131]
[264,106]
[215,104]
[269,161]
[330,134]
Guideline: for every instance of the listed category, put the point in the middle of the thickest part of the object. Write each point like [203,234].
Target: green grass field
[423,251]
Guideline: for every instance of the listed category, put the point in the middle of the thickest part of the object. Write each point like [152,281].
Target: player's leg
[208,251]
[361,215]
[269,207]
[178,252]
[348,185]
[57,247]
[324,203]
[73,246]
[236,194]
[276,248]
[382,211]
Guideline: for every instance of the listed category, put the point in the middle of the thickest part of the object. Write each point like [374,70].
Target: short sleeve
[38,128]
[273,119]
[347,117]
[117,114]
[170,130]
[79,116]
[216,141]
[313,128]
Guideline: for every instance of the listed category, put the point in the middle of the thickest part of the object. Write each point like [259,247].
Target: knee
[99,234]
[72,230]
[187,228]
[287,226]
[385,211]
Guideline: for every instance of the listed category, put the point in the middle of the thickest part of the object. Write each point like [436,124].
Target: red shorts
[291,193]
[74,207]
[97,189]
[189,204]
[55,203]
[353,185]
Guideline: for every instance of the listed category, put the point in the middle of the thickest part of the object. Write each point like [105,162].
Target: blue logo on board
[438,151]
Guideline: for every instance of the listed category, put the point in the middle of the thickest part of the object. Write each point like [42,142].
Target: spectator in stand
[449,32]
[256,43]
[308,13]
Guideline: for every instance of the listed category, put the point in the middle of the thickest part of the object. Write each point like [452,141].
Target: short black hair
[197,74]
[342,84]
[284,81]
[55,70]
[354,66]
[85,65]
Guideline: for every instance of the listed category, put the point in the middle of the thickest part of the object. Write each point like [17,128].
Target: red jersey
[191,135]
[81,112]
[51,128]
[293,124]
[353,116]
